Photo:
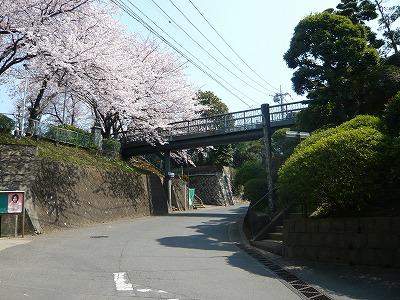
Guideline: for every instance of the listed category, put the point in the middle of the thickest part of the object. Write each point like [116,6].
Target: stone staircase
[197,202]
[272,239]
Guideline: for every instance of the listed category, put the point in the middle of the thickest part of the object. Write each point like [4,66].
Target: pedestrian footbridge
[227,128]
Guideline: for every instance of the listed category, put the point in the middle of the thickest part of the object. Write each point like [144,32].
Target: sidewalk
[7,242]
[340,281]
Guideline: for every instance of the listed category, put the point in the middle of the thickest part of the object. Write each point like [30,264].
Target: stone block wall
[60,195]
[179,194]
[212,184]
[363,241]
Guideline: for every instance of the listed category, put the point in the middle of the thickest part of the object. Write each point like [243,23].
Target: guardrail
[59,134]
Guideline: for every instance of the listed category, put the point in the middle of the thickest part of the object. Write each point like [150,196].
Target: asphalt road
[181,256]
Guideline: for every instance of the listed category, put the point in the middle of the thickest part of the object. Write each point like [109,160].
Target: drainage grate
[99,236]
[302,287]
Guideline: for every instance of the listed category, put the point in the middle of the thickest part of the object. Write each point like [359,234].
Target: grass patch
[74,155]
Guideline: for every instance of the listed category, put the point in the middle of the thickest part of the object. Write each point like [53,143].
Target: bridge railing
[286,111]
[221,123]
[237,121]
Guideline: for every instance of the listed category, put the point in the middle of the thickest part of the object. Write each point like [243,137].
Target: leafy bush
[335,170]
[391,115]
[111,145]
[249,170]
[355,123]
[6,124]
[255,189]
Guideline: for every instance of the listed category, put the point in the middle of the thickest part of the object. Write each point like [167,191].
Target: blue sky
[259,30]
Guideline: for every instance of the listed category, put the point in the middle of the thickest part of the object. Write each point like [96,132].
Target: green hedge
[335,170]
[254,190]
[6,124]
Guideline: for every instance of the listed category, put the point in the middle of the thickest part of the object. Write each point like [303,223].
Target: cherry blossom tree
[83,53]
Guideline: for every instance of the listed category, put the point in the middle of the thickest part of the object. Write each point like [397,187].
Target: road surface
[181,256]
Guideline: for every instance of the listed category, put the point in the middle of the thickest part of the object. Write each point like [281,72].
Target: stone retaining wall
[212,184]
[365,241]
[60,195]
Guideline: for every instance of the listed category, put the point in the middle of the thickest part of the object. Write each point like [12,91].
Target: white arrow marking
[121,282]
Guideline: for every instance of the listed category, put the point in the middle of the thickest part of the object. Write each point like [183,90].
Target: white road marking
[162,292]
[144,290]
[121,282]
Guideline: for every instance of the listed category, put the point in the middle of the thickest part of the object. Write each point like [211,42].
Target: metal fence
[59,134]
[237,121]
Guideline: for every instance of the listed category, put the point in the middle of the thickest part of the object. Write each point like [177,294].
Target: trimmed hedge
[335,170]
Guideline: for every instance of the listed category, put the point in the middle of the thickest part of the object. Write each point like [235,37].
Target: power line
[226,43]
[205,50]
[137,18]
[193,57]
[216,48]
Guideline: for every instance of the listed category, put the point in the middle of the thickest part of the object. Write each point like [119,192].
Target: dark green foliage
[255,189]
[358,11]
[220,155]
[335,170]
[214,103]
[111,145]
[333,64]
[6,124]
[391,115]
[249,170]
[247,151]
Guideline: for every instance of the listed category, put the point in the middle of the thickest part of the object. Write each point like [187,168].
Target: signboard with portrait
[11,202]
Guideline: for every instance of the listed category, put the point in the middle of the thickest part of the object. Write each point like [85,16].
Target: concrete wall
[365,241]
[212,184]
[63,195]
[179,194]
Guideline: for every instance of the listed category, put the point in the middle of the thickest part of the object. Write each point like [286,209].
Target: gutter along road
[188,255]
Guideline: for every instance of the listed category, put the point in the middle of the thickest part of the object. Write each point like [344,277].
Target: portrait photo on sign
[15,203]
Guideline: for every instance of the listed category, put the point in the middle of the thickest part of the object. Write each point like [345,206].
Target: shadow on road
[213,235]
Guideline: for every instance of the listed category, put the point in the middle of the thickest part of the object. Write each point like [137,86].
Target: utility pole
[280,98]
[268,161]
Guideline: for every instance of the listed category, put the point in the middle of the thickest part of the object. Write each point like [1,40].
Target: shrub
[249,170]
[111,145]
[391,115]
[255,189]
[357,122]
[335,169]
[6,124]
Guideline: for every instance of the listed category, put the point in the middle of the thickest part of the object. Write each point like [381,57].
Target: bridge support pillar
[268,155]
[168,179]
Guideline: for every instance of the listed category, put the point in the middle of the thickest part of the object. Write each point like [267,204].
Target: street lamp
[297,134]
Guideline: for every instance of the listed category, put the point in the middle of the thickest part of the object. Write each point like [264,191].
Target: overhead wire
[193,57]
[230,47]
[206,51]
[219,51]
[137,18]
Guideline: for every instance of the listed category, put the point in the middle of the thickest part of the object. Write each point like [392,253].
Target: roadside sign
[15,203]
[11,202]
